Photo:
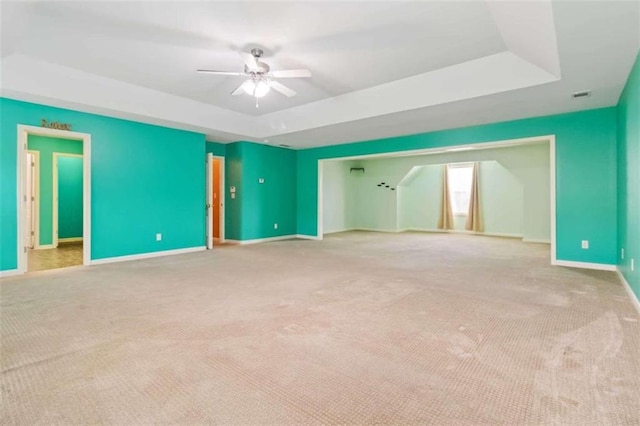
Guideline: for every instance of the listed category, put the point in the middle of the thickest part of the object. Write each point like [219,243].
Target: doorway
[53,200]
[215,200]
[330,210]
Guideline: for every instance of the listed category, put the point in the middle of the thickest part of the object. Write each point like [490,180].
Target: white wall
[337,208]
[501,200]
[514,192]
[419,198]
[375,207]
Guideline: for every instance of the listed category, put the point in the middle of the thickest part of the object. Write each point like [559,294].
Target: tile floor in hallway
[65,255]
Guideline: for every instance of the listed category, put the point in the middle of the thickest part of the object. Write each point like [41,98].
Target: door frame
[55,201]
[209,198]
[23,132]
[35,208]
[551,139]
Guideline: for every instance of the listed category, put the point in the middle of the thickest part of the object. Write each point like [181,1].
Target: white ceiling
[379,68]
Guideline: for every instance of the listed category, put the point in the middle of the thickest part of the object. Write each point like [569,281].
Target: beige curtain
[446,217]
[474,218]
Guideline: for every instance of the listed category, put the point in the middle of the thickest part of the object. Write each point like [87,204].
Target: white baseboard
[9,273]
[44,247]
[146,255]
[534,240]
[308,237]
[463,231]
[262,240]
[377,230]
[585,265]
[340,230]
[69,240]
[632,295]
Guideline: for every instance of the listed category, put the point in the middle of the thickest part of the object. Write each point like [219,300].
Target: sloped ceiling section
[406,59]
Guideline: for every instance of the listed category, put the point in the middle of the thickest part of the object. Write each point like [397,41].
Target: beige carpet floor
[360,328]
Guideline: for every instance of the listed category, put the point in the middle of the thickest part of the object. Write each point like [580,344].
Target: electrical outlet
[158,237]
[261,180]
[621,253]
[585,244]
[275,226]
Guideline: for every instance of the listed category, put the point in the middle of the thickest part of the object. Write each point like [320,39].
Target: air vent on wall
[583,94]
[285,145]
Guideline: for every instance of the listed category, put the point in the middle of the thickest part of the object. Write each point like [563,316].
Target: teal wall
[148,179]
[215,148]
[233,178]
[629,178]
[46,147]
[258,206]
[145,180]
[585,174]
[69,197]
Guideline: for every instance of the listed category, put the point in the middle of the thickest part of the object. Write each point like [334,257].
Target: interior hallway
[65,255]
[360,328]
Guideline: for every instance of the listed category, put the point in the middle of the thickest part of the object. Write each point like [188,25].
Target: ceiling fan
[260,79]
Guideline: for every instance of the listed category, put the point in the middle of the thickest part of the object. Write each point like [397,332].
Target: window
[460,177]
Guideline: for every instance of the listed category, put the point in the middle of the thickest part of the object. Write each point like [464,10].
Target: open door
[209,201]
[215,200]
[216,197]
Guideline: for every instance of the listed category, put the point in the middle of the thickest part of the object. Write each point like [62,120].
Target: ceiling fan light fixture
[256,88]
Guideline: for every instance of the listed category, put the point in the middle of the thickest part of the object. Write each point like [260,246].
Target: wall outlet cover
[585,244]
[158,237]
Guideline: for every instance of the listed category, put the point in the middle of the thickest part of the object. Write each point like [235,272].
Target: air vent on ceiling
[583,94]
[285,145]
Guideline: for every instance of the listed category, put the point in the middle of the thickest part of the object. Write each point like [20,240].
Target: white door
[209,201]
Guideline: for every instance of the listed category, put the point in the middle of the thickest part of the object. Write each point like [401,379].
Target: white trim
[436,231]
[69,240]
[23,132]
[464,231]
[208,199]
[262,240]
[586,265]
[551,139]
[308,237]
[552,197]
[46,247]
[10,273]
[379,230]
[627,286]
[147,255]
[320,213]
[36,195]
[439,150]
[536,241]
[340,230]
[54,192]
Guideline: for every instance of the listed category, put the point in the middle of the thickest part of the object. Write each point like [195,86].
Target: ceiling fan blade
[220,72]
[250,61]
[279,87]
[239,90]
[291,73]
